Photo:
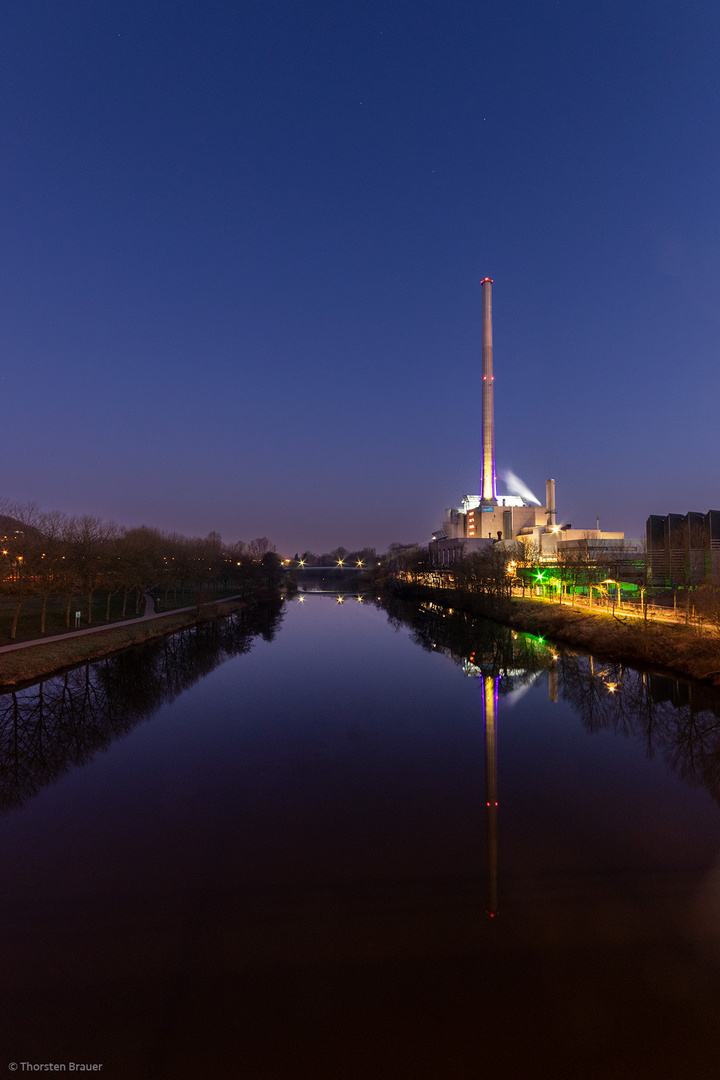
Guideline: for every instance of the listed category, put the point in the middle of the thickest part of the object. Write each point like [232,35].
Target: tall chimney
[489,486]
[550,502]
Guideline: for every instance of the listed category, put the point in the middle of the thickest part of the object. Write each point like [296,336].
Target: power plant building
[482,520]
[488,518]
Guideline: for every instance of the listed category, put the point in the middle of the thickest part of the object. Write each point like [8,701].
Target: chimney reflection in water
[490,701]
[489,714]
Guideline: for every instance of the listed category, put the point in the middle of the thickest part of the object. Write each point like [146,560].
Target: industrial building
[483,520]
[684,550]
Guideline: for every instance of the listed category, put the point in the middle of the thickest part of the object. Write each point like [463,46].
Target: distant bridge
[310,569]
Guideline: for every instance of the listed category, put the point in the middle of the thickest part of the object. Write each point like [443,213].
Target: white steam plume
[517,487]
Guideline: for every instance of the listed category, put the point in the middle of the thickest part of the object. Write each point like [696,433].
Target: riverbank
[43,658]
[684,650]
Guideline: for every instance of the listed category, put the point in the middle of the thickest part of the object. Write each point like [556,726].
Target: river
[269,847]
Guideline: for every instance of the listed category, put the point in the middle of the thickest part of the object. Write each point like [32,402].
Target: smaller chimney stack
[550,502]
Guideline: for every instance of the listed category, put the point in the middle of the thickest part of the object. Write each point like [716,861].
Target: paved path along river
[150,613]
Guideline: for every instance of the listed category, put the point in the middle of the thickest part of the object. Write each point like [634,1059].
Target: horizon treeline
[397,554]
[54,554]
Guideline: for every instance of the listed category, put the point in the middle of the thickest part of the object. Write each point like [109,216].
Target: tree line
[46,555]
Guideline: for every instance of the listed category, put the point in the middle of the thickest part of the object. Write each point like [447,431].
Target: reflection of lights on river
[301,599]
[359,599]
[341,599]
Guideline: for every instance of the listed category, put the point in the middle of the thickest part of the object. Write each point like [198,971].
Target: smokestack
[489,485]
[550,502]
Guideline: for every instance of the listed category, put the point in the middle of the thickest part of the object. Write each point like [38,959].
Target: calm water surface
[263,849]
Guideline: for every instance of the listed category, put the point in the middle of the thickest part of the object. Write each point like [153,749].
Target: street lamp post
[611,581]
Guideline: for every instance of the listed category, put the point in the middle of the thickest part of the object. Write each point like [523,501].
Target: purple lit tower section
[489,485]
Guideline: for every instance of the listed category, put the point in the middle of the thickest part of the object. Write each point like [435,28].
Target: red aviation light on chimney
[486,279]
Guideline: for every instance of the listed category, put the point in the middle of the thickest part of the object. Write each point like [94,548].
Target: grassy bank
[684,650]
[30,620]
[25,665]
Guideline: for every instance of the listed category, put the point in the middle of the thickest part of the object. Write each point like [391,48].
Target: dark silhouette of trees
[46,556]
[486,574]
[90,541]
[259,547]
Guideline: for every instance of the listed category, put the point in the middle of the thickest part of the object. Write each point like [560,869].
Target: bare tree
[90,536]
[21,553]
[259,547]
[49,565]
[486,573]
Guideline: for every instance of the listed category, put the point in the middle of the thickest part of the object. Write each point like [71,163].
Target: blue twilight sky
[242,245]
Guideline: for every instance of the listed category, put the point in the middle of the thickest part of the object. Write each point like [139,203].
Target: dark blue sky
[242,245]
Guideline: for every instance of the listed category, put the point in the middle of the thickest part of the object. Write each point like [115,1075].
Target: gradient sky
[242,245]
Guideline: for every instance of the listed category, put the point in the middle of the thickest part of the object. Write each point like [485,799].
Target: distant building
[684,550]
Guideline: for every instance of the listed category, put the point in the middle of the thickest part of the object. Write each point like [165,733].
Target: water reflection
[252,898]
[490,695]
[678,718]
[63,721]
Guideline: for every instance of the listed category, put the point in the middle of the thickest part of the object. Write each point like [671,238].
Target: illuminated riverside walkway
[150,613]
[604,604]
[626,608]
